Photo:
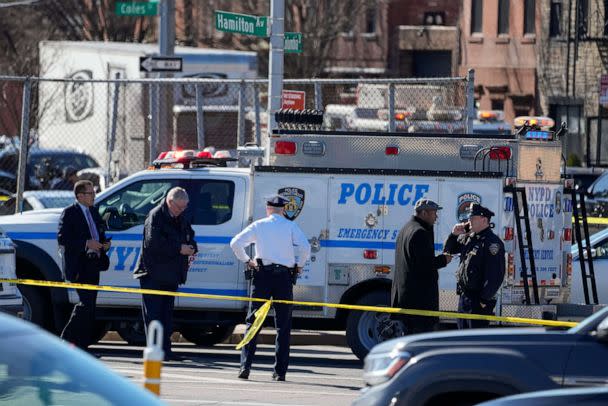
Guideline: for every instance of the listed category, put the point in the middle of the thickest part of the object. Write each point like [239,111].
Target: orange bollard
[153,357]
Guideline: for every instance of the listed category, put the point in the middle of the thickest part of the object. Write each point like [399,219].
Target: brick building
[423,38]
[571,61]
[499,41]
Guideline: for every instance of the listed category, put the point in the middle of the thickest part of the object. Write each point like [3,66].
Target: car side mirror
[601,332]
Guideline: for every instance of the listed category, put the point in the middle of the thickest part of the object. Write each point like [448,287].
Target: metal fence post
[24,141]
[318,96]
[241,117]
[258,124]
[200,122]
[470,102]
[112,136]
[391,107]
[154,120]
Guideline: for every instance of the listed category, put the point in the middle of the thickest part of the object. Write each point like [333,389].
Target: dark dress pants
[470,304]
[79,328]
[271,282]
[156,307]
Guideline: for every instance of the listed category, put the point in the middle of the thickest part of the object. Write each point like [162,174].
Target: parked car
[44,164]
[38,200]
[470,366]
[38,368]
[596,201]
[555,397]
[599,254]
[583,176]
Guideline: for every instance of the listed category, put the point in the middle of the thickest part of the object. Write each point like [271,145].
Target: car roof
[11,325]
[48,193]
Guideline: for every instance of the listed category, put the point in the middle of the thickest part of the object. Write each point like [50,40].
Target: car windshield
[590,323]
[40,370]
[56,201]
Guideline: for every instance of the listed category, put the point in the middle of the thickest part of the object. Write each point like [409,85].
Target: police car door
[307,194]
[124,210]
[218,212]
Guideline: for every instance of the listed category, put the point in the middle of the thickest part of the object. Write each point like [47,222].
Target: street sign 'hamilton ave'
[241,23]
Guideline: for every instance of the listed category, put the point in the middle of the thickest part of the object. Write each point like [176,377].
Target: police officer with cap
[280,249]
[482,265]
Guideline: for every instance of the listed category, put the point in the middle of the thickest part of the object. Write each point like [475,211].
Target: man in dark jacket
[168,244]
[83,245]
[482,265]
[415,285]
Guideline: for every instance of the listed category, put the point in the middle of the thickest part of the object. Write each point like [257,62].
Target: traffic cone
[153,357]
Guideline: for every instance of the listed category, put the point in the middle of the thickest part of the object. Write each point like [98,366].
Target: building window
[435,18]
[555,23]
[606,18]
[370,19]
[529,16]
[503,16]
[583,18]
[498,104]
[476,15]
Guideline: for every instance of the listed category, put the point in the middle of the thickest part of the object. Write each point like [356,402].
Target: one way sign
[160,64]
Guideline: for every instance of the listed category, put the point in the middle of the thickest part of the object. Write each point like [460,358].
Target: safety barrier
[153,357]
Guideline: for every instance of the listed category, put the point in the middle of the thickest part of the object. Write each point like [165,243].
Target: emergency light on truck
[188,157]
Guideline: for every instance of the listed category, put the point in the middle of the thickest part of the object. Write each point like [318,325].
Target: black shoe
[277,377]
[244,373]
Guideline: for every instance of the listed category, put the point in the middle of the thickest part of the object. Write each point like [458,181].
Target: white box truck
[80,112]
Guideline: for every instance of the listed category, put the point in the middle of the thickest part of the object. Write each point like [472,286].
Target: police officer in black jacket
[482,265]
[168,245]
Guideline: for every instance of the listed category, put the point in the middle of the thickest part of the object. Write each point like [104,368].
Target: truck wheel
[36,309]
[366,329]
[133,332]
[207,336]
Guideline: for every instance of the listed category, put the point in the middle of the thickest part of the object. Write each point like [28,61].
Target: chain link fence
[104,130]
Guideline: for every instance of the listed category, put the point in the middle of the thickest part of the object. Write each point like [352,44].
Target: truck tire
[133,332]
[207,336]
[36,308]
[363,328]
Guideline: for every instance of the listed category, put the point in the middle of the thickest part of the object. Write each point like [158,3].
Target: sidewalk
[268,336]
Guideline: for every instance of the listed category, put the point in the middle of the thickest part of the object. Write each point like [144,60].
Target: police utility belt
[250,271]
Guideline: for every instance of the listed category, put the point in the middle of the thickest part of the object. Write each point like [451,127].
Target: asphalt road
[327,375]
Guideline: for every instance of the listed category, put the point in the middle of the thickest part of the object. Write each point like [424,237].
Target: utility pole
[275,66]
[166,44]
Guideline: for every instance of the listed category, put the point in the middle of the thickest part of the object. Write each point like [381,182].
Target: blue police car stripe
[384,245]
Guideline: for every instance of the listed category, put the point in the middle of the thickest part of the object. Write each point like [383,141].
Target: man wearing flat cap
[482,265]
[280,247]
[415,285]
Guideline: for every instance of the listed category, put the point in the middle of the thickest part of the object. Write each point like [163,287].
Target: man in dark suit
[168,248]
[83,242]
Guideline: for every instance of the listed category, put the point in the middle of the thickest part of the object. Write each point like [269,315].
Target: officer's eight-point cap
[426,204]
[476,209]
[276,201]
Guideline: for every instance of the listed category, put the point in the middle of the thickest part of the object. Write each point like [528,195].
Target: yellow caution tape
[595,220]
[260,316]
[393,310]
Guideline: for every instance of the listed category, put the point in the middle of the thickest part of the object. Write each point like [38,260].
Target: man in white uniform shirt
[280,245]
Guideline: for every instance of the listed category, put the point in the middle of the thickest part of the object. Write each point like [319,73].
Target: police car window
[601,250]
[212,201]
[600,189]
[129,206]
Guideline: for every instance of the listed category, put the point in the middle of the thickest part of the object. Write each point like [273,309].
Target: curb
[266,336]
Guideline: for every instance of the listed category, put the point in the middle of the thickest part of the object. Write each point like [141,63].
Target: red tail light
[509,233]
[285,148]
[510,266]
[569,265]
[500,153]
[568,235]
[370,254]
[392,151]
